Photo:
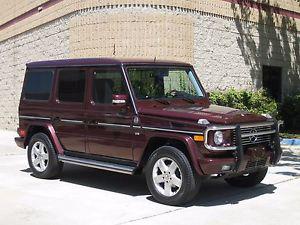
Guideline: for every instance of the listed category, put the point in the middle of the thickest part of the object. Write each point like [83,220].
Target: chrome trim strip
[34,118]
[137,127]
[113,125]
[72,121]
[129,89]
[96,164]
[170,130]
[259,133]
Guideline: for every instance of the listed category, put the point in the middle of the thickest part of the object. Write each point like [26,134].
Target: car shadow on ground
[290,159]
[218,192]
[212,193]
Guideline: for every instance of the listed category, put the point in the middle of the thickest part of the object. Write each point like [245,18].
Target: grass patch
[290,136]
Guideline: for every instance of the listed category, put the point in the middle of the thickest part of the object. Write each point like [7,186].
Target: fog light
[226,168]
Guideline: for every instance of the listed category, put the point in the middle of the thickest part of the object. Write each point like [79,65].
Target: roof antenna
[155,59]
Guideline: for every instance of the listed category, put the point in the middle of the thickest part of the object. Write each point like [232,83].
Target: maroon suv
[133,116]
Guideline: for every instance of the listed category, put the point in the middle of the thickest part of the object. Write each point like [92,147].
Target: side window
[38,85]
[71,85]
[107,83]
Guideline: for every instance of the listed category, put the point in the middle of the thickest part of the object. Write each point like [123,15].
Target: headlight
[218,137]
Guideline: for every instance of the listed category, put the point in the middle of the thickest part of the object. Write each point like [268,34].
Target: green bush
[256,102]
[290,113]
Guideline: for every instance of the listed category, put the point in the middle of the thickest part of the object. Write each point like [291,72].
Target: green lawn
[289,135]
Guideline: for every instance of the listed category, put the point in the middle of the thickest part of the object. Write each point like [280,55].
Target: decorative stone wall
[227,44]
[50,41]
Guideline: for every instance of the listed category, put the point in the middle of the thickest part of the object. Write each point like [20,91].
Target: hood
[213,113]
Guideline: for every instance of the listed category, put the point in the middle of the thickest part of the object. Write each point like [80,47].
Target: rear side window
[38,85]
[71,85]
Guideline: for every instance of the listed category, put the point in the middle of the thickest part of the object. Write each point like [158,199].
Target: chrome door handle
[56,119]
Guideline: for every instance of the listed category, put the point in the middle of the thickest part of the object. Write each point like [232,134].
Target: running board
[97,164]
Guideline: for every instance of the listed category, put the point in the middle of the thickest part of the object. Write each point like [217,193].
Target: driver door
[109,125]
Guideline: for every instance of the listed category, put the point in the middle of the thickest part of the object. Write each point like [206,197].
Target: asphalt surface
[89,196]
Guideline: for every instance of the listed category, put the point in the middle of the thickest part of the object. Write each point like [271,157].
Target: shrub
[258,102]
[290,112]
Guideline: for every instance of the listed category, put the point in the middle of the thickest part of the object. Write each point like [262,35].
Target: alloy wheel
[167,177]
[39,156]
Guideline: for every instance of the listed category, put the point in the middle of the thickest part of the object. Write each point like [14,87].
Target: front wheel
[249,179]
[170,177]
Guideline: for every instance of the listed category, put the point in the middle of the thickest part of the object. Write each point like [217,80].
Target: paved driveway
[88,196]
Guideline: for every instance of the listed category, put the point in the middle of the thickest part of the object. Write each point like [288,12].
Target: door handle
[56,119]
[91,122]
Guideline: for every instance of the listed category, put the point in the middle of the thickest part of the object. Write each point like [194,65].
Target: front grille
[258,163]
[257,140]
[252,135]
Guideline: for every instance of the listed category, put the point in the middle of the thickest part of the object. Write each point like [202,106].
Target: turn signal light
[199,138]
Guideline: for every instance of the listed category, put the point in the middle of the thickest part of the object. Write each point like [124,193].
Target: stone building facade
[232,43]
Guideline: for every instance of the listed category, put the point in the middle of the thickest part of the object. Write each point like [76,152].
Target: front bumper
[243,160]
[20,142]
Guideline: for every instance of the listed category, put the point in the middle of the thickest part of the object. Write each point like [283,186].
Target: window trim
[26,80]
[115,68]
[57,100]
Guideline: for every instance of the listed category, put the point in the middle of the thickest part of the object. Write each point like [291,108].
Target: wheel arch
[46,129]
[184,144]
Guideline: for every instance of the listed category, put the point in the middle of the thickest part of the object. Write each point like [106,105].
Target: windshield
[164,83]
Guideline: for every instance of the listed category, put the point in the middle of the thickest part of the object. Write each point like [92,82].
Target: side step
[97,164]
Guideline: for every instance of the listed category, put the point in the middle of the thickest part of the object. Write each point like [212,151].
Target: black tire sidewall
[188,177]
[54,166]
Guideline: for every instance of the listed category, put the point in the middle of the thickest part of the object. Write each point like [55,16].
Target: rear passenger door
[109,130]
[69,108]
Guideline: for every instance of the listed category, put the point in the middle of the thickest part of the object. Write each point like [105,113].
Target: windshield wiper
[165,102]
[188,100]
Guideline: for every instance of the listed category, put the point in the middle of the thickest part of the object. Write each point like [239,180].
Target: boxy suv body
[133,116]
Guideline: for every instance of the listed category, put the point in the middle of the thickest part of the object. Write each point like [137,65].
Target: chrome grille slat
[259,129]
[264,134]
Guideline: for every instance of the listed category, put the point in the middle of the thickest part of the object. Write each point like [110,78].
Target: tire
[42,157]
[166,167]
[250,180]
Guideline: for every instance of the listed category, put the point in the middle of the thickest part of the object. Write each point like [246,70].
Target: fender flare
[52,135]
[192,148]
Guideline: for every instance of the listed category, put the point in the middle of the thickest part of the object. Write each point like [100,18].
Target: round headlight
[218,138]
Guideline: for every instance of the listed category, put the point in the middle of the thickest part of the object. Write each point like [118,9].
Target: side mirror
[208,94]
[119,99]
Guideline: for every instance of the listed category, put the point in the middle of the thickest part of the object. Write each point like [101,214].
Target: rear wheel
[42,157]
[170,177]
[249,179]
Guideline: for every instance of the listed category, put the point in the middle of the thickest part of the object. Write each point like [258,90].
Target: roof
[100,62]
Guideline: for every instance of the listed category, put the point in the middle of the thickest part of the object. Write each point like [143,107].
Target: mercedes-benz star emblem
[253,137]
